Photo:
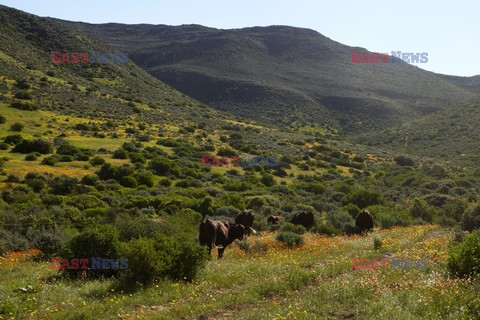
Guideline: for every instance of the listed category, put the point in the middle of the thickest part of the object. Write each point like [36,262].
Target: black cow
[303,218]
[220,234]
[364,221]
[245,218]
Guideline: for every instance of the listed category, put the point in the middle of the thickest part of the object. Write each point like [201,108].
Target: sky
[448,30]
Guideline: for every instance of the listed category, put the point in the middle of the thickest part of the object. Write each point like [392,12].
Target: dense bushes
[177,258]
[37,145]
[288,227]
[362,197]
[24,106]
[471,218]
[464,259]
[289,238]
[100,241]
[163,167]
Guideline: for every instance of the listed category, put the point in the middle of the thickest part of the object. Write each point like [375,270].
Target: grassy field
[270,281]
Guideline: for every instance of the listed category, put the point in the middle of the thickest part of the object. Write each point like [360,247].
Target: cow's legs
[220,252]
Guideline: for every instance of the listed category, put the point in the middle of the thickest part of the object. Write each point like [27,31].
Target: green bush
[340,219]
[99,241]
[37,145]
[362,197]
[289,238]
[17,126]
[97,161]
[288,227]
[120,154]
[23,106]
[2,119]
[178,258]
[464,258]
[162,166]
[4,146]
[326,229]
[421,209]
[13,139]
[31,157]
[24,95]
[471,218]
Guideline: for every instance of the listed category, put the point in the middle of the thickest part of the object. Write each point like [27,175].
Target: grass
[314,281]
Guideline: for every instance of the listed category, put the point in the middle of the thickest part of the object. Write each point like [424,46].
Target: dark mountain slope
[281,73]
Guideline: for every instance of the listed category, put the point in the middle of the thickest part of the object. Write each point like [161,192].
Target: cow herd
[221,233]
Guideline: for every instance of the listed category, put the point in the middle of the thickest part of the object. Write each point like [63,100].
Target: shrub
[120,154]
[13,139]
[177,258]
[51,161]
[162,166]
[421,209]
[226,151]
[63,185]
[167,142]
[326,229]
[464,259]
[31,157]
[289,238]
[102,241]
[2,119]
[352,210]
[23,106]
[229,211]
[145,177]
[4,146]
[17,126]
[404,161]
[128,182]
[243,245]
[37,145]
[24,95]
[362,197]
[97,161]
[37,185]
[471,218]
[340,219]
[268,180]
[48,243]
[289,227]
[89,179]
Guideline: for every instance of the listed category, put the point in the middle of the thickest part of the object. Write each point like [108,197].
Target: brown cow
[364,221]
[220,234]
[275,219]
[303,218]
[245,218]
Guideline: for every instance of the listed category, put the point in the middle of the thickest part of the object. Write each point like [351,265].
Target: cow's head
[237,231]
[240,232]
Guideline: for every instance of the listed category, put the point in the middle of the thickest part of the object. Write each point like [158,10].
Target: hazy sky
[448,30]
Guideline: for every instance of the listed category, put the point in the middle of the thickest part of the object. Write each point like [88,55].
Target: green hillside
[104,161]
[450,134]
[281,74]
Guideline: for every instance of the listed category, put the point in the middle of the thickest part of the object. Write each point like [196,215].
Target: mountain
[116,91]
[282,74]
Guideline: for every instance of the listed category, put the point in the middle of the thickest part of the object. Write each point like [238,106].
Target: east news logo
[95,57]
[397,56]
